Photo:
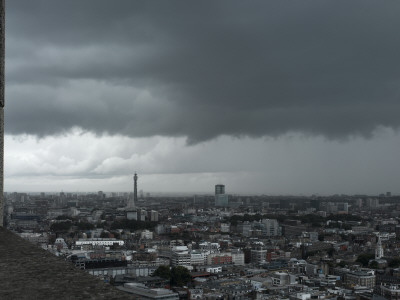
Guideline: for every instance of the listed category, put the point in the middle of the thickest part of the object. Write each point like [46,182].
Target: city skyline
[266,98]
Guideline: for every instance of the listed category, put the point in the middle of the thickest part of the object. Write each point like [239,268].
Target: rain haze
[266,97]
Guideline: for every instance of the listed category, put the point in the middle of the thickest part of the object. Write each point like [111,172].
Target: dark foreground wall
[28,272]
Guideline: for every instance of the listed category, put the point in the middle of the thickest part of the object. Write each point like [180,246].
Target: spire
[378,249]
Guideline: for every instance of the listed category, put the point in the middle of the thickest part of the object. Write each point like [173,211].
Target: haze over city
[264,97]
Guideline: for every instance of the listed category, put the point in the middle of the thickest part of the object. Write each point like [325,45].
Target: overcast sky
[266,97]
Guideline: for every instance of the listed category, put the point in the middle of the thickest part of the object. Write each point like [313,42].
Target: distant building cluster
[236,247]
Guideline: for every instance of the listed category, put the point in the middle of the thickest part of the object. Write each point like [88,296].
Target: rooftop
[28,272]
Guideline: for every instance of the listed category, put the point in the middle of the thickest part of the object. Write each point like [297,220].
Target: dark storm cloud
[202,69]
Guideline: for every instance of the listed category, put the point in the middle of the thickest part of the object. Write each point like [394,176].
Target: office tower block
[219,189]
[221,199]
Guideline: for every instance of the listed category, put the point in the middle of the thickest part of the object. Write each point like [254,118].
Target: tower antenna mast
[135,199]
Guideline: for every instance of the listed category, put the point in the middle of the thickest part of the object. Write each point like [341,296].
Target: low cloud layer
[288,165]
[203,69]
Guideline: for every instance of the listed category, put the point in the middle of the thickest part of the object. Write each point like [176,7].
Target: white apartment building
[283,278]
[271,227]
[146,234]
[181,258]
[362,278]
[214,269]
[198,258]
[237,257]
[207,246]
[258,256]
[154,216]
[99,242]
[225,227]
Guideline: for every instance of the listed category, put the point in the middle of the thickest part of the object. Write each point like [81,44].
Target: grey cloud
[202,69]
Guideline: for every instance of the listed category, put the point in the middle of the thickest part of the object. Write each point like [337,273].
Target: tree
[365,258]
[180,276]
[61,226]
[163,272]
[177,276]
[85,226]
[116,234]
[104,234]
[342,264]
[133,224]
[394,263]
[64,217]
[374,264]
[99,224]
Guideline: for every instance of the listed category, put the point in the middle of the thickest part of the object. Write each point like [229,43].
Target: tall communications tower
[2,47]
[135,178]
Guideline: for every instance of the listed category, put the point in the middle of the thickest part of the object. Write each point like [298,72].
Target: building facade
[221,199]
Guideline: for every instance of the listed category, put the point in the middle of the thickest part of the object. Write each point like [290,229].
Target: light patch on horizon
[286,165]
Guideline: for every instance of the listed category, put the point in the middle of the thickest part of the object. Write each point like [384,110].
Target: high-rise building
[219,189]
[358,203]
[342,207]
[221,199]
[271,227]
[372,203]
[142,214]
[244,228]
[258,256]
[315,203]
[154,216]
[132,215]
